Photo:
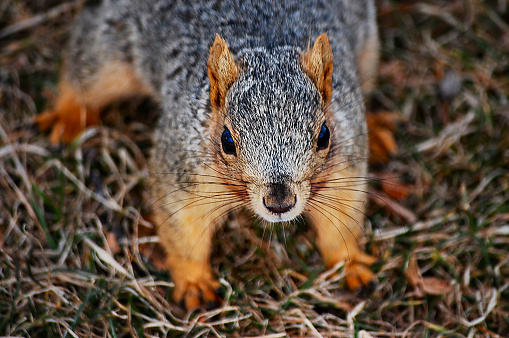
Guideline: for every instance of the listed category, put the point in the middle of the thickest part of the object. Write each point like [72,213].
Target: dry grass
[69,258]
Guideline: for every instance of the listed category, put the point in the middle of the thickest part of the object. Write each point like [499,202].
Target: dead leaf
[382,144]
[425,285]
[435,286]
[412,273]
[394,188]
[392,206]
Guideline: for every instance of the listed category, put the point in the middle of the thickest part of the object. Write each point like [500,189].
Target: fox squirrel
[254,116]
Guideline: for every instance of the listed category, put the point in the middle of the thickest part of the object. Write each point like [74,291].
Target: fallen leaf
[392,206]
[412,273]
[425,285]
[435,286]
[393,187]
[382,144]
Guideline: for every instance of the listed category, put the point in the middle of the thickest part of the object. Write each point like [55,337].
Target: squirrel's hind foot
[69,118]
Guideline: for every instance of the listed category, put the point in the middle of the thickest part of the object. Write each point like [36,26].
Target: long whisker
[198,175]
[188,205]
[214,221]
[194,193]
[317,208]
[343,213]
[337,208]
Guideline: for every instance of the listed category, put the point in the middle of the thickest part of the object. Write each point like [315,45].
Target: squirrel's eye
[227,143]
[323,138]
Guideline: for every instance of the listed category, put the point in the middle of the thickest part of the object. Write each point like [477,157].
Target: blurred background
[77,257]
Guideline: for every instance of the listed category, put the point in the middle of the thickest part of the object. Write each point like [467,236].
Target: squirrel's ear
[222,71]
[317,63]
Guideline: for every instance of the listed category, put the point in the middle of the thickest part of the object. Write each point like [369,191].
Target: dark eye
[323,138]
[227,143]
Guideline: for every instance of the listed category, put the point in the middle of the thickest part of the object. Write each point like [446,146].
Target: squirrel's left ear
[317,63]
[222,71]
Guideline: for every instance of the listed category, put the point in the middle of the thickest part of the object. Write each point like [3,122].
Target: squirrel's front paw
[203,293]
[195,286]
[357,275]
[357,271]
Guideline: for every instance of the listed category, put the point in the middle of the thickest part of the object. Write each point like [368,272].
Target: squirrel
[261,108]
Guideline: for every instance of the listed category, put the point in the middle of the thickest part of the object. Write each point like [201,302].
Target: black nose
[279,199]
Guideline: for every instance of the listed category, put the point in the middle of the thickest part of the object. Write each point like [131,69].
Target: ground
[70,263]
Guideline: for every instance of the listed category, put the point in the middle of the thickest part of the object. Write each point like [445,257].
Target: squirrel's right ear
[222,71]
[317,63]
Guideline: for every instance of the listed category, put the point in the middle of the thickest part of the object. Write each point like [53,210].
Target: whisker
[223,193]
[343,212]
[191,204]
[333,198]
[228,178]
[317,208]
[232,197]
[198,175]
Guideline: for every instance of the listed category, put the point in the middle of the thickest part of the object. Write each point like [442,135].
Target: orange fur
[339,232]
[186,236]
[78,108]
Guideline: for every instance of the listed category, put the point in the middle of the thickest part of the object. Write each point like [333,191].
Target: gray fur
[273,107]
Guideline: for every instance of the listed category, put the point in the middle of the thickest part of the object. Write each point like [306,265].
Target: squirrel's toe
[67,120]
[65,126]
[46,119]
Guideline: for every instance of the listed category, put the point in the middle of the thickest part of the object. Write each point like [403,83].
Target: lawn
[79,258]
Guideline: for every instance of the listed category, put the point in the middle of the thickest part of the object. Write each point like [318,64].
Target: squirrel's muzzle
[279,199]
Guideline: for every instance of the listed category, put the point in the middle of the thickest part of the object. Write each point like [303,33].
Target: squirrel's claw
[62,128]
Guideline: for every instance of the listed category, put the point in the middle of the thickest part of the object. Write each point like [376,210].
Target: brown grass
[70,263]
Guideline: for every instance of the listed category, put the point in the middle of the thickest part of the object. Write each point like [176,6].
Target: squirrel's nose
[279,199]
[279,208]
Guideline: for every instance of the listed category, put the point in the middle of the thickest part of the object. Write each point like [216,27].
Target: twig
[40,18]
[391,233]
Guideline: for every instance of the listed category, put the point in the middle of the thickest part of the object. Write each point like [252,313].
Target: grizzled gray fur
[169,43]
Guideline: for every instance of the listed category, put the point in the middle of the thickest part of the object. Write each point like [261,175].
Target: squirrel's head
[271,132]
